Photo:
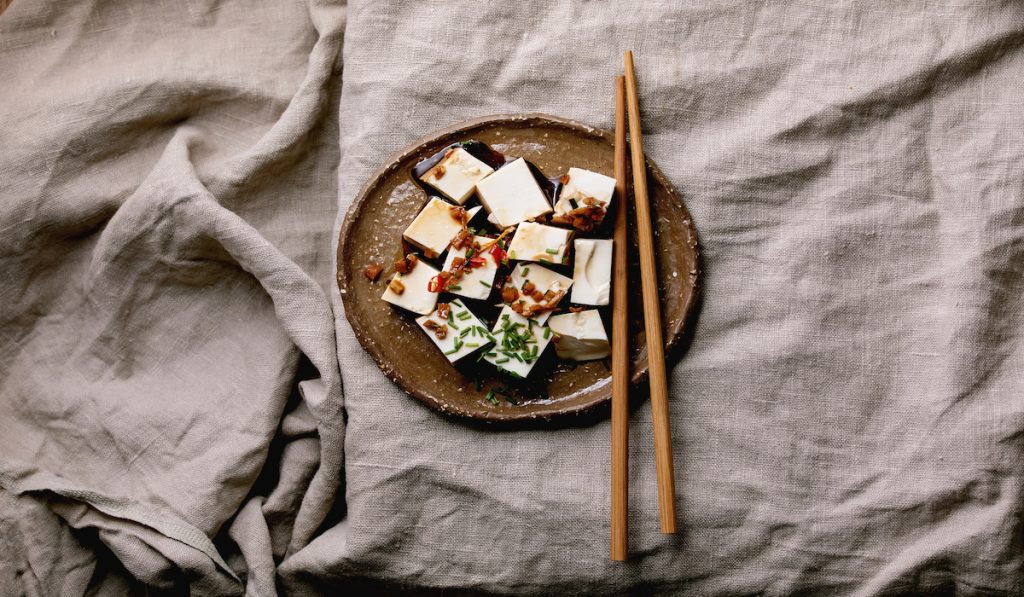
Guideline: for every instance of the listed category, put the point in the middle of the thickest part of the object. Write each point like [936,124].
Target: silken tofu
[592,271]
[409,291]
[456,175]
[512,194]
[535,290]
[456,333]
[580,336]
[518,343]
[584,199]
[435,226]
[537,242]
[476,282]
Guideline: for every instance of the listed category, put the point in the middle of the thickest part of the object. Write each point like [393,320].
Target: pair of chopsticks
[626,95]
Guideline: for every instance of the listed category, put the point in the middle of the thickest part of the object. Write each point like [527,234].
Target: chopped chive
[456,287]
[452,325]
[490,354]
[551,251]
[463,333]
[472,345]
[469,252]
[512,254]
[490,397]
[501,361]
[452,351]
[463,315]
[526,271]
[511,401]
[458,343]
[484,284]
[547,333]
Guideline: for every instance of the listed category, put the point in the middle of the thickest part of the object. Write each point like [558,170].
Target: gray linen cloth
[847,420]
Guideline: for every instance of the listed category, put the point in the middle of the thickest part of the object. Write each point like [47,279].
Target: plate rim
[394,160]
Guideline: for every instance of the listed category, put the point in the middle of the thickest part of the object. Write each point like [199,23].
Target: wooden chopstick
[652,312]
[620,342]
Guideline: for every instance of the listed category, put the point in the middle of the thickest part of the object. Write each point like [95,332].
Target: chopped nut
[509,294]
[529,287]
[443,310]
[396,286]
[439,171]
[405,264]
[372,271]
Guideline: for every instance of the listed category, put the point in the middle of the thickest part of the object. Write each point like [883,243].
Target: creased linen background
[167,189]
[848,419]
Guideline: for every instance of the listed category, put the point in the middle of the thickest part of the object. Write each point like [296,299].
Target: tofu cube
[537,242]
[413,295]
[583,189]
[519,343]
[542,281]
[456,175]
[434,227]
[476,282]
[512,194]
[459,334]
[580,336]
[592,272]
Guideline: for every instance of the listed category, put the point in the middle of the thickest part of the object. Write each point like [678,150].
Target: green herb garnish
[551,251]
[484,284]
[463,315]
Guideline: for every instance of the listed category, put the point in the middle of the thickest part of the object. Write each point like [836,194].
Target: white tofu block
[592,271]
[581,336]
[463,334]
[519,361]
[476,282]
[415,297]
[456,174]
[537,242]
[433,228]
[543,279]
[512,194]
[582,184]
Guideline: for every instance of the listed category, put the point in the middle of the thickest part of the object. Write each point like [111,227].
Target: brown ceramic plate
[372,233]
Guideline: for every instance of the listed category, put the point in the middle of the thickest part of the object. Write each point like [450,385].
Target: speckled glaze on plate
[372,233]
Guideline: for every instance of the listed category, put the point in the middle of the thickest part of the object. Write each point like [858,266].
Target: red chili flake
[476,261]
[498,253]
